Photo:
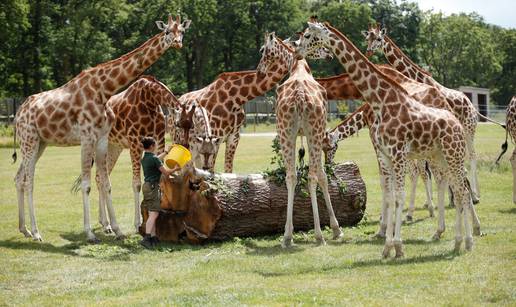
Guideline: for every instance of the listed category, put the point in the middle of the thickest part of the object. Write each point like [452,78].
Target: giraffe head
[183,123]
[315,37]
[274,51]
[174,30]
[330,146]
[207,147]
[375,37]
[316,54]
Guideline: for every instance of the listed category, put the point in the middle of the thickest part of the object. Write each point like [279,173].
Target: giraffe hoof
[337,234]
[120,237]
[476,231]
[108,230]
[287,243]
[320,241]
[469,244]
[37,237]
[437,236]
[398,247]
[409,218]
[386,251]
[26,233]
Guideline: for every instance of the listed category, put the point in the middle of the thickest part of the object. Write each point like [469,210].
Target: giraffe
[138,113]
[462,108]
[404,129]
[364,117]
[76,113]
[510,123]
[224,98]
[428,95]
[301,104]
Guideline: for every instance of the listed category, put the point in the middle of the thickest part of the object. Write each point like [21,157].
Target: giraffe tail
[76,186]
[15,155]
[491,120]
[504,148]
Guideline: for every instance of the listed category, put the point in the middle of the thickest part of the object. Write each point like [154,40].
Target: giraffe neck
[339,87]
[402,63]
[375,87]
[351,125]
[256,85]
[115,74]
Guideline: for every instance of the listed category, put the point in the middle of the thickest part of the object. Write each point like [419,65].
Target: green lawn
[65,270]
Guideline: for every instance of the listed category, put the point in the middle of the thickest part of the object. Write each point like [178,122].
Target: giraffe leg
[39,148]
[441,189]
[136,153]
[231,145]
[413,171]
[474,217]
[20,190]
[389,232]
[427,180]
[513,164]
[473,165]
[383,216]
[113,154]
[313,175]
[105,184]
[399,190]
[288,147]
[87,152]
[334,224]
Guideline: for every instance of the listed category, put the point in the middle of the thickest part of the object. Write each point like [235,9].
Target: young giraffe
[461,106]
[76,113]
[510,123]
[301,104]
[404,129]
[223,100]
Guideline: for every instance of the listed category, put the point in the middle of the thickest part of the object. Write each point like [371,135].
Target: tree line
[46,42]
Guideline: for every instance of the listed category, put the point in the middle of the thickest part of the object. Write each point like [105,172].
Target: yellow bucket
[178,155]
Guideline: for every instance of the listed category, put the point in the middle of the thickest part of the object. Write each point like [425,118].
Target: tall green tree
[459,50]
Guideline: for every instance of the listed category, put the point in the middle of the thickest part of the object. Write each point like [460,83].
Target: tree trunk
[252,205]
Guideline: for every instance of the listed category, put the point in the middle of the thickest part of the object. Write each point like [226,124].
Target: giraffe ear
[161,25]
[186,24]
[383,31]
[271,36]
[365,33]
[199,139]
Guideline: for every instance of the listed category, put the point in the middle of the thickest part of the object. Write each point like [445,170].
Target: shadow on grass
[256,250]
[511,211]
[444,256]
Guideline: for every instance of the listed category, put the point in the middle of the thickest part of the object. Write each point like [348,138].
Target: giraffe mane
[417,67]
[364,58]
[234,73]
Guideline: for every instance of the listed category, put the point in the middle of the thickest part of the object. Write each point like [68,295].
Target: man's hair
[148,141]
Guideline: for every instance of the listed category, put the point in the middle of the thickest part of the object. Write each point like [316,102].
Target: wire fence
[259,111]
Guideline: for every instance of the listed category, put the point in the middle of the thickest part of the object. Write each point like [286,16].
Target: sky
[498,12]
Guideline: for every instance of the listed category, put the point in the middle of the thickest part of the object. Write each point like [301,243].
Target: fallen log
[249,205]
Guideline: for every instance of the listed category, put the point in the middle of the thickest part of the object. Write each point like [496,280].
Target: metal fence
[259,110]
[8,108]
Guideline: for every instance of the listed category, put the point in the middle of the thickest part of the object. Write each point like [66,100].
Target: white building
[479,97]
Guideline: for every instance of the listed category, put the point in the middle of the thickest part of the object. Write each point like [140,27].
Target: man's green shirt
[151,164]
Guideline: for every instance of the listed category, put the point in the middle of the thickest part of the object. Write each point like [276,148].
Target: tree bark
[259,206]
[251,205]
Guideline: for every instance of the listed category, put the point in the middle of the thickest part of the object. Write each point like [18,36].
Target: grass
[65,270]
